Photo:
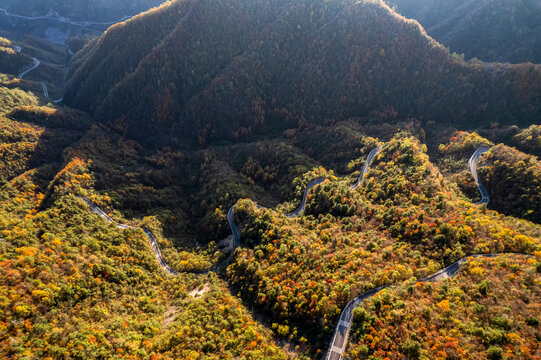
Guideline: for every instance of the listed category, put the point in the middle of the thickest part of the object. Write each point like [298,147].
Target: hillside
[462,318]
[69,294]
[210,71]
[404,221]
[511,176]
[259,180]
[11,61]
[490,30]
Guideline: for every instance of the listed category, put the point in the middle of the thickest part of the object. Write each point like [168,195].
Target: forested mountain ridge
[491,30]
[275,93]
[230,68]
[405,221]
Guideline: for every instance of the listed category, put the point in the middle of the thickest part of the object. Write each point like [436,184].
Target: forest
[490,30]
[246,124]
[407,220]
[474,316]
[239,79]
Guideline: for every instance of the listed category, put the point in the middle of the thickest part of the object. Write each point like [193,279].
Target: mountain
[79,10]
[212,71]
[491,30]
[253,177]
[483,329]
[12,61]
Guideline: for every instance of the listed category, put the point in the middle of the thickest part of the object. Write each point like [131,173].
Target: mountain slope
[405,221]
[132,41]
[83,10]
[461,318]
[233,67]
[11,61]
[491,30]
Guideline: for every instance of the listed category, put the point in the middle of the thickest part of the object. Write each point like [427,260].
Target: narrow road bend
[230,219]
[30,68]
[341,332]
[472,163]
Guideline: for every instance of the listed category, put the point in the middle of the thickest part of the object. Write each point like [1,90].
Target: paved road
[301,207]
[43,85]
[154,243]
[472,163]
[230,219]
[46,93]
[312,184]
[35,65]
[63,19]
[366,167]
[341,332]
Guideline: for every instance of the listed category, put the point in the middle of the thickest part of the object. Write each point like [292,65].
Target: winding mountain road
[46,93]
[230,219]
[62,19]
[472,163]
[43,85]
[341,334]
[30,68]
[366,167]
[301,207]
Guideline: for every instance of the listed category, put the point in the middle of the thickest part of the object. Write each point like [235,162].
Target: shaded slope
[515,180]
[511,177]
[233,67]
[11,60]
[117,53]
[491,30]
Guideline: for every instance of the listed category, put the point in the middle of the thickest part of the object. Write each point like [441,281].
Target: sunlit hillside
[246,179]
